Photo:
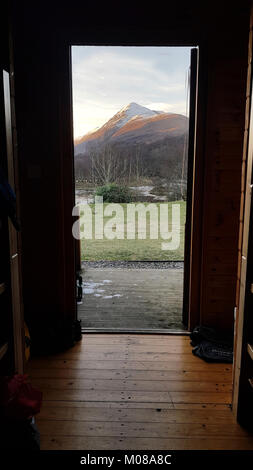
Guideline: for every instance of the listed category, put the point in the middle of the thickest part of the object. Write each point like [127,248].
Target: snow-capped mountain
[122,117]
[134,124]
[131,111]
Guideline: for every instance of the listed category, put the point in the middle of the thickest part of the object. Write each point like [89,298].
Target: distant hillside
[137,140]
[134,124]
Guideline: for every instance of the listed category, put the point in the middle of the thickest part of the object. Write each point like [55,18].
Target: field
[134,249]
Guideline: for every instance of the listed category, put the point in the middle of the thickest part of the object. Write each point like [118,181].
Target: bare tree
[107,166]
[135,165]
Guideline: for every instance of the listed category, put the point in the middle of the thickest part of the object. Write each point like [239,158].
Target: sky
[107,78]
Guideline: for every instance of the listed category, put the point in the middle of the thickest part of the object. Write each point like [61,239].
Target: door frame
[195,238]
[193,83]
[14,237]
[192,275]
[243,358]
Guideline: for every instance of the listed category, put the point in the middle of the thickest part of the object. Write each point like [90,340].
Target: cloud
[107,78]
[177,107]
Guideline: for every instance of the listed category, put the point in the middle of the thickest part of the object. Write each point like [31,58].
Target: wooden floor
[132,299]
[143,392]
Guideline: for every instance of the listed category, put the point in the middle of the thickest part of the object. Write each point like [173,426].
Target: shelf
[250,350]
[3,350]
[2,288]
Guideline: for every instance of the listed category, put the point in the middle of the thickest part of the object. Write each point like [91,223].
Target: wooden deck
[132,299]
[142,392]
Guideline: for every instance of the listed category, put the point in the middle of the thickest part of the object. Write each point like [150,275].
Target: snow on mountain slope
[173,124]
[132,110]
[132,122]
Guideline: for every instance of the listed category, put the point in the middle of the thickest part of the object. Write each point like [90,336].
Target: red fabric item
[19,399]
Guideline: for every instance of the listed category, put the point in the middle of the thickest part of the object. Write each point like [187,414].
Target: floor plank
[139,429]
[54,442]
[196,365]
[150,415]
[132,385]
[138,405]
[123,356]
[154,375]
[136,392]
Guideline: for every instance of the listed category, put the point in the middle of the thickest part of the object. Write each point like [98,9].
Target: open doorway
[131,130]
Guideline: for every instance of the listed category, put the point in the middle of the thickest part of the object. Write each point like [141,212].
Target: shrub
[114,193]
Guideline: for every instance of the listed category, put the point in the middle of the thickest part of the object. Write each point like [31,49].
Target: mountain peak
[133,110]
[133,105]
[137,109]
[129,105]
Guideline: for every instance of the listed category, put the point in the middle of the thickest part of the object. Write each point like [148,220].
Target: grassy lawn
[133,249]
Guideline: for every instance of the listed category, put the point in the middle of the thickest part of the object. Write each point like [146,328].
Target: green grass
[133,250]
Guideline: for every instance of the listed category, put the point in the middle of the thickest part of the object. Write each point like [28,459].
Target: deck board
[133,299]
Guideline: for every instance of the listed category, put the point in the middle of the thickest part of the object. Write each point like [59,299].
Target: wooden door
[243,361]
[191,154]
[14,251]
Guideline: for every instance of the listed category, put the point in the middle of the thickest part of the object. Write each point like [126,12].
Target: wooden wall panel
[46,187]
[222,181]
[44,133]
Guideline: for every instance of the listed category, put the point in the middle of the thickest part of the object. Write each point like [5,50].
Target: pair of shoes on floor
[211,346]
